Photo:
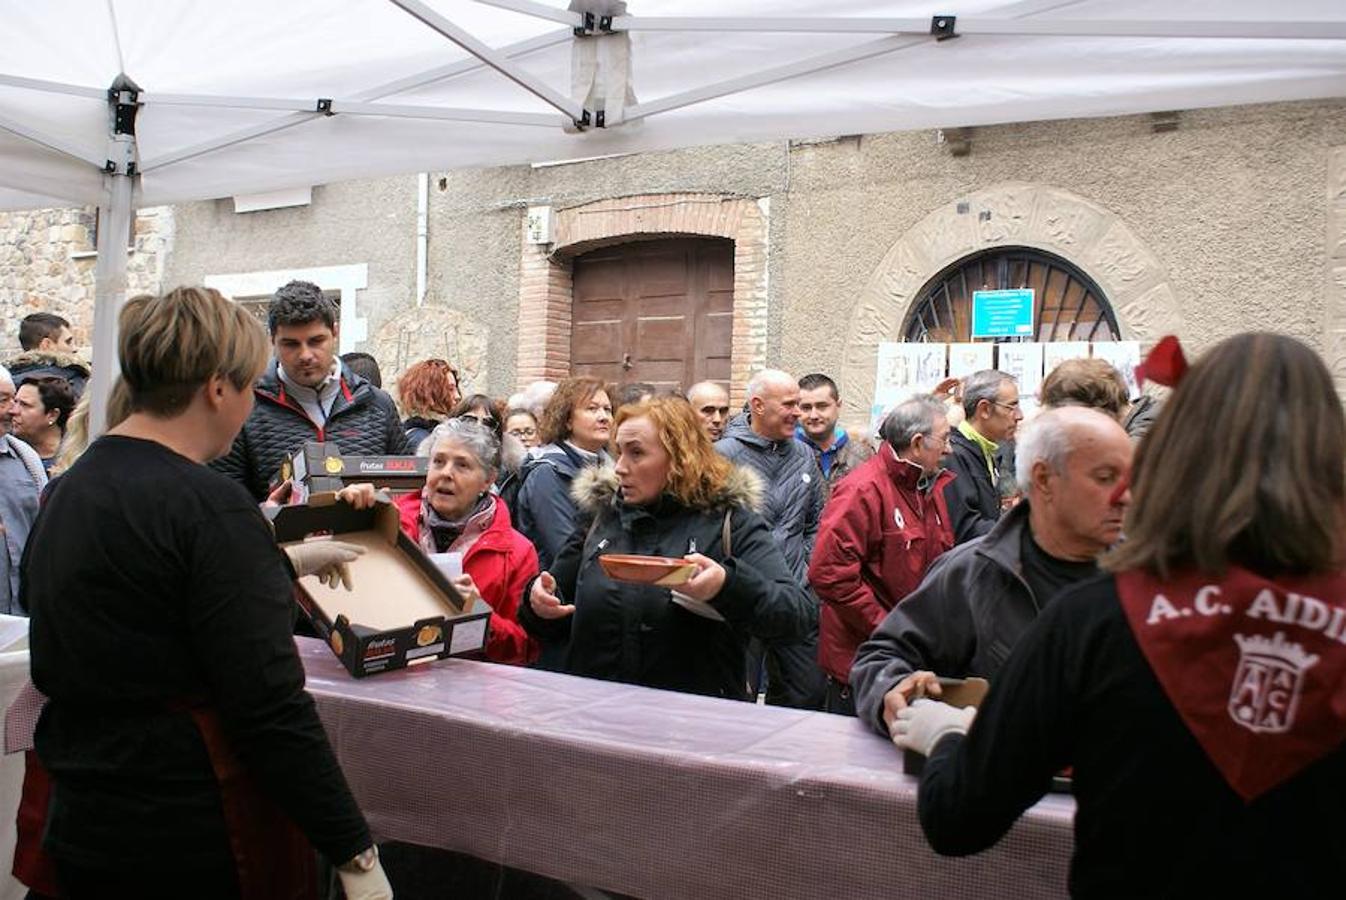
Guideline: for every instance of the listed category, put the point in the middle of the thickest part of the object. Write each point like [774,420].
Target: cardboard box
[402,610]
[317,467]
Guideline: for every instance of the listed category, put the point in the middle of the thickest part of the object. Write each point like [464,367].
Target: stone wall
[47,264]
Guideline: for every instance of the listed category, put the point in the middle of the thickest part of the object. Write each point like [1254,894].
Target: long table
[651,793]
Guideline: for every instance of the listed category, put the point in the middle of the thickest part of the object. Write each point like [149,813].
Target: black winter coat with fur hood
[636,633]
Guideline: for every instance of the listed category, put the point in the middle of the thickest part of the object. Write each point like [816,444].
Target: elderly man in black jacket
[991,407]
[308,394]
[795,493]
[978,598]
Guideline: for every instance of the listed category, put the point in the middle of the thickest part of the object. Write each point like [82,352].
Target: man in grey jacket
[22,479]
[795,493]
[977,599]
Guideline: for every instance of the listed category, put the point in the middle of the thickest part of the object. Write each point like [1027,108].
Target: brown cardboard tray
[401,611]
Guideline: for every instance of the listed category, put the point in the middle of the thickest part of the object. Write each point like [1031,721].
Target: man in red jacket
[886,523]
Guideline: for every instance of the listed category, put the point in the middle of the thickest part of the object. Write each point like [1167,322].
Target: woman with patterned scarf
[457,512]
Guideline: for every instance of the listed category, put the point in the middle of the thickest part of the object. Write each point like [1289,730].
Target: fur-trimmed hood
[595,487]
[38,359]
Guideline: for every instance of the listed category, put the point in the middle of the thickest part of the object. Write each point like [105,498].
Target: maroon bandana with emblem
[1255,668]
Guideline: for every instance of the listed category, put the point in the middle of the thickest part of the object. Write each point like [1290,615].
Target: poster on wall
[1125,356]
[905,369]
[1024,363]
[1057,352]
[1005,313]
[964,359]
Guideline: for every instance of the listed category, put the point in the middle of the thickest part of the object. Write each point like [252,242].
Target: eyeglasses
[484,421]
[1010,406]
[523,432]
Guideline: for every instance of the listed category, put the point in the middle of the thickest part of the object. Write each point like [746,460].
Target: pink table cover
[651,793]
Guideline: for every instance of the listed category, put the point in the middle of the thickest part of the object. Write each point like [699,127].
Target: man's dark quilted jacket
[363,422]
[795,491]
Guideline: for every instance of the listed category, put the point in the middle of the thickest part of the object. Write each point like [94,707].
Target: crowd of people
[974,535]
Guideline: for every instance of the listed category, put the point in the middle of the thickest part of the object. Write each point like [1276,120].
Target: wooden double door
[657,311]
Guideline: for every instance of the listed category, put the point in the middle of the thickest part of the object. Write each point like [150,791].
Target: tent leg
[114,228]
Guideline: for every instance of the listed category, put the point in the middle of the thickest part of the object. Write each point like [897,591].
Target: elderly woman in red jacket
[456,512]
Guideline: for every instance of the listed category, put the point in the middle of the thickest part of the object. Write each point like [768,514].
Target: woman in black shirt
[186,757]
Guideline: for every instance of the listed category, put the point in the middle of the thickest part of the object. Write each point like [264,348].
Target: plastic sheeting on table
[653,793]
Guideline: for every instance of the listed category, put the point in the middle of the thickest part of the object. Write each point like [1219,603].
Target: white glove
[329,560]
[371,885]
[919,726]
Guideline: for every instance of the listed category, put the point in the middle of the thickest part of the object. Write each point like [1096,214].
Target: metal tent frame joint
[125,104]
[592,26]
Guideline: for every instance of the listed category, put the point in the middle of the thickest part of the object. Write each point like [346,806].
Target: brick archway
[1038,216]
[546,288]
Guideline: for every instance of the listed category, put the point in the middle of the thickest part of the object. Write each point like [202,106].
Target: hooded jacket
[501,562]
[637,634]
[880,533]
[44,363]
[795,489]
[363,421]
[546,509]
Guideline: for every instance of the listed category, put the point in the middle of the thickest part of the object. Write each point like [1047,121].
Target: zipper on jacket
[284,401]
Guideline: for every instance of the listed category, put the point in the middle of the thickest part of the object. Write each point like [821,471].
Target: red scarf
[1255,668]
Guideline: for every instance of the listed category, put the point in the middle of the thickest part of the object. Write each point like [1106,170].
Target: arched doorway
[1068,305]
[659,311]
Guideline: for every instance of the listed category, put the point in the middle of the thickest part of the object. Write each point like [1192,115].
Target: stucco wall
[472,284]
[475,217]
[1232,203]
[371,222]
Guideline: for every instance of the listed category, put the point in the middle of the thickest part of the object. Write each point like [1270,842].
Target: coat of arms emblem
[1267,683]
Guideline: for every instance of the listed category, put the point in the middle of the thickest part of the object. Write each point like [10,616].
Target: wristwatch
[364,861]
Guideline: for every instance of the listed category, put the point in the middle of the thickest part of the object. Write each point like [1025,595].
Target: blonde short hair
[76,439]
[172,344]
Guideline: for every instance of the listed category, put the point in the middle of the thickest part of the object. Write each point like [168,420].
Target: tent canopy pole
[491,57]
[771,76]
[51,142]
[114,228]
[538,10]
[990,25]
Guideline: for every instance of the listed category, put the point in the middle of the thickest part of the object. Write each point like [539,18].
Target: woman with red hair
[670,494]
[427,392]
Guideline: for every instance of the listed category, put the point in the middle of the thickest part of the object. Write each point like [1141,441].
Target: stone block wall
[47,262]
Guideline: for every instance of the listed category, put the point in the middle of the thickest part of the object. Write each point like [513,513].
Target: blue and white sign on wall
[1002,313]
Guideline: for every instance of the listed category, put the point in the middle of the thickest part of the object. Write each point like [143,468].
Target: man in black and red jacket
[308,394]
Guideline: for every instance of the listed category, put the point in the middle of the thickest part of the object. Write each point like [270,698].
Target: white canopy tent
[123,103]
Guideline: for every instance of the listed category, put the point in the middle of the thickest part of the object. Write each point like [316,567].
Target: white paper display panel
[1125,356]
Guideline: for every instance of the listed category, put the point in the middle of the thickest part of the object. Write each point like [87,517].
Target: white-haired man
[978,598]
[22,479]
[795,493]
[883,528]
